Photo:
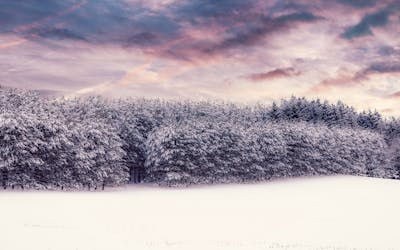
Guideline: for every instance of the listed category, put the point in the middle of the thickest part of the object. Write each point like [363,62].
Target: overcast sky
[237,50]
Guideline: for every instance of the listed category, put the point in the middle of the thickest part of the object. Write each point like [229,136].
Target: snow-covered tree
[19,151]
[393,155]
[95,141]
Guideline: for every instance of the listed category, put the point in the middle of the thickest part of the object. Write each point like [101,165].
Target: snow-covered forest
[92,142]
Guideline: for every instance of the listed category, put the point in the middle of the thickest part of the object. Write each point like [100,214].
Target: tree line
[92,142]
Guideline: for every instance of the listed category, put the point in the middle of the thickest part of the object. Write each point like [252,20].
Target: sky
[236,50]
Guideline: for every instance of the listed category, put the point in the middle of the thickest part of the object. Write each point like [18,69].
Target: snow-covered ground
[310,213]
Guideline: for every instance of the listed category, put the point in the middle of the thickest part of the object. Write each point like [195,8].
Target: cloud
[276,73]
[22,14]
[384,67]
[359,3]
[200,10]
[143,39]
[395,95]
[12,43]
[33,15]
[58,34]
[84,17]
[160,31]
[388,51]
[341,80]
[254,32]
[205,47]
[363,28]
[347,78]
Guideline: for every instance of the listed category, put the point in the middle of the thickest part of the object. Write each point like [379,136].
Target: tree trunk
[4,178]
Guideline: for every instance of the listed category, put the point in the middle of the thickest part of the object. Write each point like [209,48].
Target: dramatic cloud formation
[341,49]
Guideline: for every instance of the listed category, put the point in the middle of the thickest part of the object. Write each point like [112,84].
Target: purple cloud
[379,18]
[276,73]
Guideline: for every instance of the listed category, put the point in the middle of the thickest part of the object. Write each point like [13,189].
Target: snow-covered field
[311,213]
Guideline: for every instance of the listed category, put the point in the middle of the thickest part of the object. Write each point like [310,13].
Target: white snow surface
[307,213]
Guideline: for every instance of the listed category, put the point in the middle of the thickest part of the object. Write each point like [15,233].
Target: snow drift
[310,213]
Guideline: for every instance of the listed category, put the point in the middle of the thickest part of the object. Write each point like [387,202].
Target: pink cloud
[395,95]
[276,73]
[12,43]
